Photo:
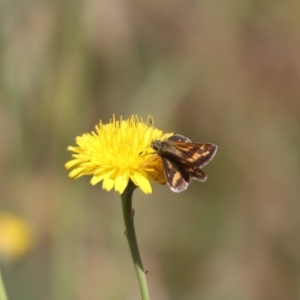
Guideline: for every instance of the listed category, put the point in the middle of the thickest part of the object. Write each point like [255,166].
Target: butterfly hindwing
[179,138]
[195,172]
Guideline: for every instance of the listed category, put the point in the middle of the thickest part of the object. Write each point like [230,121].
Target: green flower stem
[130,234]
[2,289]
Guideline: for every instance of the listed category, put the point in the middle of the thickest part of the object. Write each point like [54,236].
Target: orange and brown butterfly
[182,160]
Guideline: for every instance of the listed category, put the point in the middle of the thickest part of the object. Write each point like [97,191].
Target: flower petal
[120,183]
[108,184]
[143,183]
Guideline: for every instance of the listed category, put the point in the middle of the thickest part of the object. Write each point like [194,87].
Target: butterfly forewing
[178,180]
[195,153]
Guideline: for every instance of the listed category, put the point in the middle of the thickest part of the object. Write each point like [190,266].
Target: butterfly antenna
[145,148]
[150,121]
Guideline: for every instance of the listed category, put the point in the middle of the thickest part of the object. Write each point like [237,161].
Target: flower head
[118,152]
[16,236]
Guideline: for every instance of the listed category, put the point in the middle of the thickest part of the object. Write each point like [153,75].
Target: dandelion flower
[16,237]
[118,152]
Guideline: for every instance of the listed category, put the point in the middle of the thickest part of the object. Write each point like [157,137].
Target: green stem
[130,233]
[2,289]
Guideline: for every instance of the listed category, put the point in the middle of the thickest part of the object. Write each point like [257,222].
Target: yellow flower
[15,236]
[118,152]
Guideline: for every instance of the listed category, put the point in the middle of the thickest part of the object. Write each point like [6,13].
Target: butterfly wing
[179,138]
[198,154]
[195,172]
[177,178]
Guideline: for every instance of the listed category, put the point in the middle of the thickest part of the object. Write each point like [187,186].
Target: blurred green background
[215,71]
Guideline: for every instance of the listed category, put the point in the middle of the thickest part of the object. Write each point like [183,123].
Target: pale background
[221,72]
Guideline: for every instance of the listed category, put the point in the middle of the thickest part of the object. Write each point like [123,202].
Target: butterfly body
[182,160]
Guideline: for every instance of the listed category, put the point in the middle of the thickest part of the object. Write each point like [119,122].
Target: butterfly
[182,160]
